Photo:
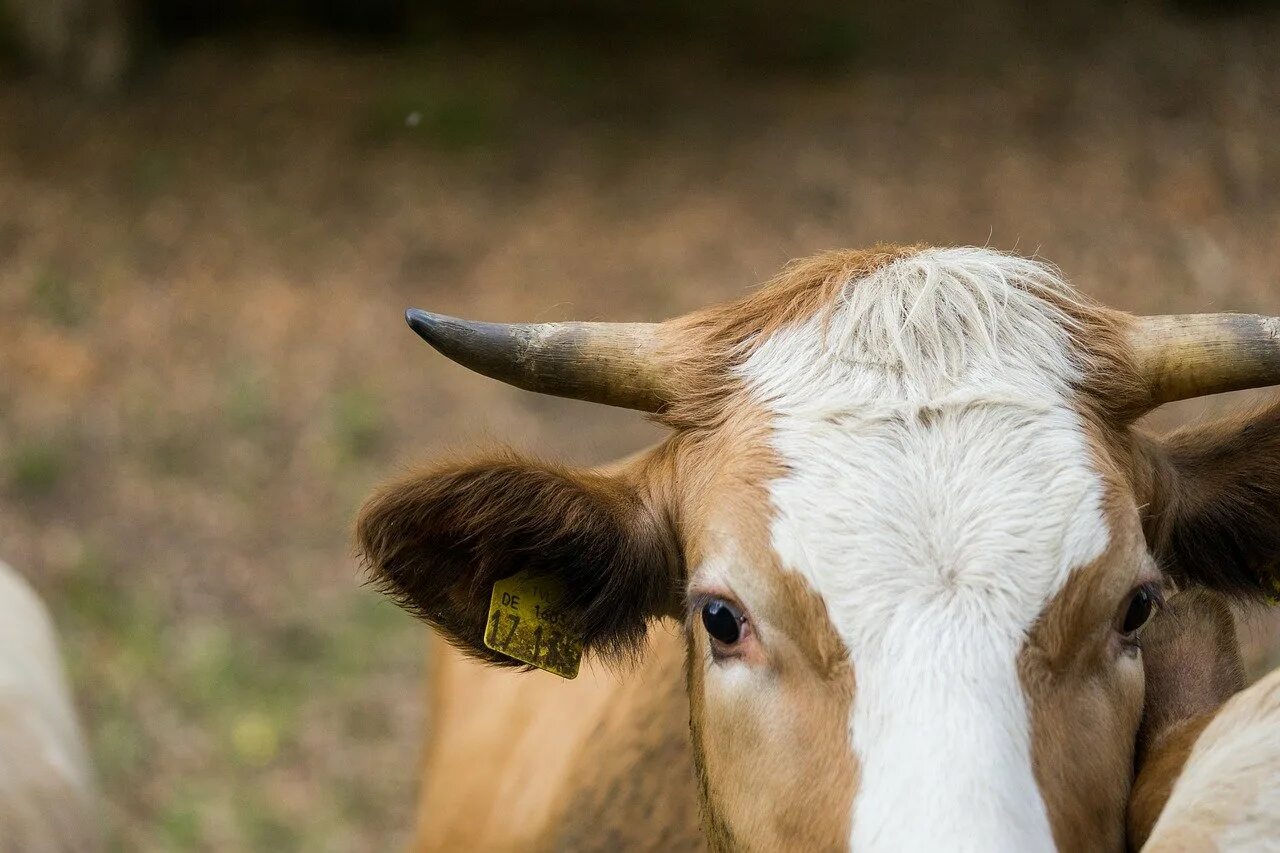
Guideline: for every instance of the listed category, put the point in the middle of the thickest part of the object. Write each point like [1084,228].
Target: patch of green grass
[241,681]
[447,117]
[209,660]
[248,406]
[579,70]
[828,42]
[87,594]
[818,38]
[177,454]
[179,821]
[114,641]
[267,831]
[357,803]
[119,750]
[11,50]
[255,738]
[359,423]
[457,121]
[36,468]
[249,690]
[253,685]
[115,630]
[58,297]
[153,172]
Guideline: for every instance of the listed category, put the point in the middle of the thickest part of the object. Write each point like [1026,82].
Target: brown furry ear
[1217,507]
[437,541]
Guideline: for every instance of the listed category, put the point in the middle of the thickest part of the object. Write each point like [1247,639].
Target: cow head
[905,518]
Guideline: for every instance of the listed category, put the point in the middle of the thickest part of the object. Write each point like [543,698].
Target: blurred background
[214,212]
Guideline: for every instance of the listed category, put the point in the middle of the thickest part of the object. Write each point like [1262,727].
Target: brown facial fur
[1085,693]
[775,768]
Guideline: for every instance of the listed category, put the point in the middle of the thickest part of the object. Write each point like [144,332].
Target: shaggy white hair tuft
[935,321]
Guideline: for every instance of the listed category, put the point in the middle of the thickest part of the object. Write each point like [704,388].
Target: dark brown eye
[722,622]
[1142,606]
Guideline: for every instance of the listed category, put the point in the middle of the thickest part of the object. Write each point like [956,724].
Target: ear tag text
[525,624]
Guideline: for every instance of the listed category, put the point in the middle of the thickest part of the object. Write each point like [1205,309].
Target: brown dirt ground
[203,367]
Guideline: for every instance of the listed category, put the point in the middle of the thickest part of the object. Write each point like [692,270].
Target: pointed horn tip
[424,323]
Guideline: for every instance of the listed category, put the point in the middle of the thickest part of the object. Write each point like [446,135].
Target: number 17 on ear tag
[525,623]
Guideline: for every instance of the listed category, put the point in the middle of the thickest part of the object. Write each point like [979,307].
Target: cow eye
[1143,603]
[722,621]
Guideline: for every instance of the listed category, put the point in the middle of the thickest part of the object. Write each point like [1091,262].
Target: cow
[911,533]
[48,802]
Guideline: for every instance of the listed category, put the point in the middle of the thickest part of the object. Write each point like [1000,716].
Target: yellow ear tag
[1272,593]
[524,624]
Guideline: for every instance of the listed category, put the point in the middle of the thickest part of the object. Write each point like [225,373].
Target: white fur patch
[939,494]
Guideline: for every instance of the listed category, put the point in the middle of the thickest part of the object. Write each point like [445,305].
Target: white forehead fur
[939,492]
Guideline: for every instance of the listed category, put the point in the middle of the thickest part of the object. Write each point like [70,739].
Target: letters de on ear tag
[525,624]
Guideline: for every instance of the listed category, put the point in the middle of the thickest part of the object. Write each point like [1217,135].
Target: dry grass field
[203,366]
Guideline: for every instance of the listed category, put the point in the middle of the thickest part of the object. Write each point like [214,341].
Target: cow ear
[1215,514]
[439,539]
[1192,665]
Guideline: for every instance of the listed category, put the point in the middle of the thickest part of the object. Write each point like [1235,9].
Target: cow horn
[1193,355]
[612,363]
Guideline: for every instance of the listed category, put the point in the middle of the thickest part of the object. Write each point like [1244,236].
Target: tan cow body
[511,762]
